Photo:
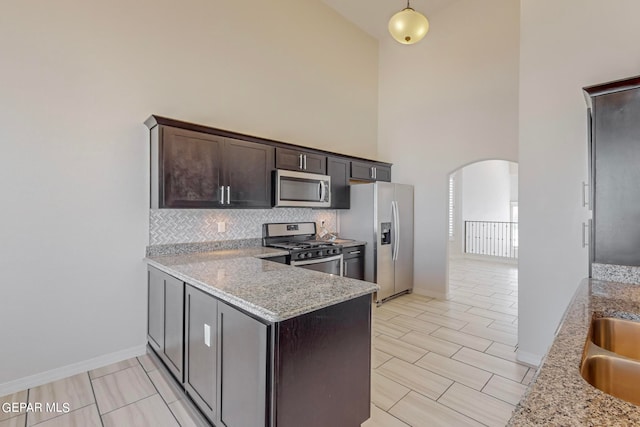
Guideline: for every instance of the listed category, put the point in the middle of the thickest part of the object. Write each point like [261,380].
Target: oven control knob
[319,253]
[309,255]
[301,255]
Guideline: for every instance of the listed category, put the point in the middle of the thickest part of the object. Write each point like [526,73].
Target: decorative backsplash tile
[169,226]
[616,273]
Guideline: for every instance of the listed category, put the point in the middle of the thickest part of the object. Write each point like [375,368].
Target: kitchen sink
[617,335]
[611,358]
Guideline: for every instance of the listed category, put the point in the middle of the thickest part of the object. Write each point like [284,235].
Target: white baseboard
[69,370]
[530,359]
[430,294]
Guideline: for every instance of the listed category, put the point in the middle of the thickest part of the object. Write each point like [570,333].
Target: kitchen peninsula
[259,343]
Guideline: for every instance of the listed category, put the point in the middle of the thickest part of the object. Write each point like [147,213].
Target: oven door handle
[318,261]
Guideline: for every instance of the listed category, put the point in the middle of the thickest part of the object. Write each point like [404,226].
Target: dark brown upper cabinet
[303,161]
[248,173]
[369,171]
[614,165]
[196,166]
[338,169]
[190,169]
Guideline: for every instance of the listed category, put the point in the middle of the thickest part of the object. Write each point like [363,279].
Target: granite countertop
[348,243]
[559,396]
[271,291]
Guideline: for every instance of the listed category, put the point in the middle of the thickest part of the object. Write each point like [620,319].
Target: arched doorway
[482,262]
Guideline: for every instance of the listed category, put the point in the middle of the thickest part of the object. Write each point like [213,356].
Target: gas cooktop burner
[300,240]
[309,244]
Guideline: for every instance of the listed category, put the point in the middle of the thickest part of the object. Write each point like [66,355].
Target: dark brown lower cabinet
[353,259]
[322,367]
[243,368]
[165,319]
[312,370]
[201,350]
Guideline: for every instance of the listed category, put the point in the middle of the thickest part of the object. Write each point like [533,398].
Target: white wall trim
[531,359]
[430,293]
[69,370]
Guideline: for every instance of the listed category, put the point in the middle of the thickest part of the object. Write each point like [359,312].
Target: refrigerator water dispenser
[385,234]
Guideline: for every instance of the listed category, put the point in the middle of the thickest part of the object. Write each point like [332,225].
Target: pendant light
[408,26]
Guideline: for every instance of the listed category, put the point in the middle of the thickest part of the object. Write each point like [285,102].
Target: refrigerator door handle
[397,227]
[394,227]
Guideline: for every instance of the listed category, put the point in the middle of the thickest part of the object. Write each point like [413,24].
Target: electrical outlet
[222,227]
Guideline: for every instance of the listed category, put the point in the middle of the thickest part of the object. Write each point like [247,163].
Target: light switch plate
[222,227]
[207,335]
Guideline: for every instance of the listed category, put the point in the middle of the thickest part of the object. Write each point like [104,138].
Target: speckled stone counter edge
[257,310]
[616,273]
[558,395]
[190,248]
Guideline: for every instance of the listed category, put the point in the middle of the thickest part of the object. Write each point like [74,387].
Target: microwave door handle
[323,191]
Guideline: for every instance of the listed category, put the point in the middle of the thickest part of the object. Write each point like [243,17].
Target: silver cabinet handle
[585,197]
[346,267]
[585,239]
[305,162]
[375,172]
[222,194]
[300,163]
[228,194]
[354,252]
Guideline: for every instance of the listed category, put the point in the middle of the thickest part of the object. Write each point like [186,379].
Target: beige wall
[78,79]
[565,45]
[448,101]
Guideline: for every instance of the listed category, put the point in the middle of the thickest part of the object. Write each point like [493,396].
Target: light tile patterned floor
[133,393]
[435,363]
[450,363]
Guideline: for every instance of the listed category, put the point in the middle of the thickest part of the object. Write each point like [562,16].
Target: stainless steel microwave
[301,189]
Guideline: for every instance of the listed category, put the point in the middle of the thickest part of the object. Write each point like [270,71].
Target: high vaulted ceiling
[373,15]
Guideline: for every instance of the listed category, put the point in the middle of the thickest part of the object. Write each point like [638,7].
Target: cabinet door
[289,159]
[248,172]
[174,325]
[382,173]
[201,350]
[155,309]
[362,171]
[190,172]
[304,161]
[243,369]
[338,169]
[616,213]
[315,163]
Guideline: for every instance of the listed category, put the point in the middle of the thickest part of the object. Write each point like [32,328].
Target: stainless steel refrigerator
[381,214]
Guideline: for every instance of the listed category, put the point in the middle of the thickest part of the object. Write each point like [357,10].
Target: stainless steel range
[299,238]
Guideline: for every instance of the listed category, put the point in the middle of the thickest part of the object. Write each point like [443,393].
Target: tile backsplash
[170,226]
